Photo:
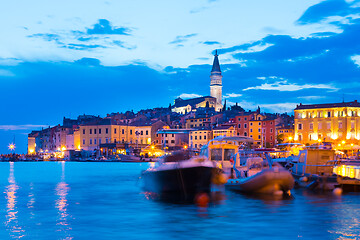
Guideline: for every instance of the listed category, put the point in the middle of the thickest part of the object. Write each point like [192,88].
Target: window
[328,114]
[239,126]
[259,123]
[90,131]
[190,137]
[245,134]
[352,124]
[95,131]
[251,130]
[239,119]
[195,145]
[106,140]
[195,137]
[172,135]
[106,130]
[83,141]
[147,132]
[328,125]
[94,140]
[271,138]
[199,137]
[131,132]
[259,137]
[99,130]
[271,130]
[251,124]
[114,140]
[264,123]
[90,141]
[122,131]
[114,130]
[259,118]
[205,137]
[259,130]
[340,125]
[83,131]
[319,125]
[311,126]
[299,126]
[99,140]
[172,141]
[141,132]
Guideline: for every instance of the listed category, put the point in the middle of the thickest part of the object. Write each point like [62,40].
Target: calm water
[104,201]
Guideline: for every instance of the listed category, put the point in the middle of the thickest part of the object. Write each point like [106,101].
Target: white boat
[253,176]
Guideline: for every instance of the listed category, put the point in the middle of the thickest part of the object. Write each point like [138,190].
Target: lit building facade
[199,138]
[336,122]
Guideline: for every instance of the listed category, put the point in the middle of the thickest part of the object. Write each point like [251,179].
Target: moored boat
[252,174]
[179,176]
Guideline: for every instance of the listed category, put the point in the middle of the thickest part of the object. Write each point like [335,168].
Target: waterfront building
[286,133]
[199,137]
[172,138]
[227,130]
[198,122]
[334,122]
[269,131]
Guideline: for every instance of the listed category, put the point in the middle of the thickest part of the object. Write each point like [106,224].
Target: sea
[81,200]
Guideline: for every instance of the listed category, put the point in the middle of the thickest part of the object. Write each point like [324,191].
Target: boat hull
[178,184]
[268,181]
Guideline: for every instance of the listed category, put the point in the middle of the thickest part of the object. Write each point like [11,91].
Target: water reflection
[62,190]
[30,204]
[11,223]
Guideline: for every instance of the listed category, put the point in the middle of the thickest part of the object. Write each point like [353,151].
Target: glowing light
[290,138]
[12,146]
[79,147]
[152,147]
[319,140]
[342,142]
[31,151]
[185,147]
[63,148]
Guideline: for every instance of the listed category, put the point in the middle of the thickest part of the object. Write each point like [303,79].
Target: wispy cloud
[356,59]
[285,86]
[210,42]
[232,95]
[21,127]
[103,26]
[189,95]
[181,39]
[311,97]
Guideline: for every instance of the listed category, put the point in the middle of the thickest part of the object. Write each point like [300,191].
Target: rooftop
[328,105]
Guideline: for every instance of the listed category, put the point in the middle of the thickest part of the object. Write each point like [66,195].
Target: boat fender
[278,192]
[202,200]
[222,178]
[304,179]
[337,191]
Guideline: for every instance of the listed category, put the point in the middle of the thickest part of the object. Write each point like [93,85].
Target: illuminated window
[311,126]
[340,124]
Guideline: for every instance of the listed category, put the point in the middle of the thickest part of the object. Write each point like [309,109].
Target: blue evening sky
[65,58]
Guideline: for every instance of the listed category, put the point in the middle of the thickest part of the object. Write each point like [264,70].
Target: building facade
[336,122]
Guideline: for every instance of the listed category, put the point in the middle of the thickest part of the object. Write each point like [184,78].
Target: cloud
[325,9]
[181,39]
[356,59]
[285,86]
[210,42]
[50,37]
[88,61]
[279,107]
[189,95]
[21,127]
[9,61]
[104,27]
[310,98]
[232,95]
[82,46]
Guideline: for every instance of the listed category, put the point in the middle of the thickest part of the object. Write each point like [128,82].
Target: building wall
[31,145]
[198,138]
[197,122]
[327,124]
[229,132]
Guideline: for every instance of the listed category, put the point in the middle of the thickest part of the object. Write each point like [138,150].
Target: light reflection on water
[11,223]
[104,201]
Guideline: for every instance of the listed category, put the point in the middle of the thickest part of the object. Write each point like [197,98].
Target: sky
[66,58]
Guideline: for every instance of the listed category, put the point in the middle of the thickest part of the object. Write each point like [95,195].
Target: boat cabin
[314,161]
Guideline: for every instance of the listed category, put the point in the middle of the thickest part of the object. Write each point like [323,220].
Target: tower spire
[216,66]
[216,82]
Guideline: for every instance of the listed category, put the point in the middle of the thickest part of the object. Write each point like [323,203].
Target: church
[214,100]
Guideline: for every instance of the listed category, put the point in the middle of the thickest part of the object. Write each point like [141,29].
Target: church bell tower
[216,83]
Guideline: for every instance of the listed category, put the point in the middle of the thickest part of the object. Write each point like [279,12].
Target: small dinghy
[178,176]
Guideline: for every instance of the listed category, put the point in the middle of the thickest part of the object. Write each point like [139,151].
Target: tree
[280,138]
[224,107]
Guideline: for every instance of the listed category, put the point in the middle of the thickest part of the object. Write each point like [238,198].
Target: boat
[179,176]
[251,174]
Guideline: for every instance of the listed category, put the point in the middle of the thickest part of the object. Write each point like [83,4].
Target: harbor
[69,200]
